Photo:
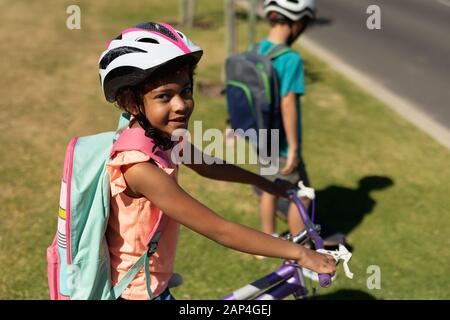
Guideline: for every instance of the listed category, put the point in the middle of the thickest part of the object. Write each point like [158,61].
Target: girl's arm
[228,172]
[150,181]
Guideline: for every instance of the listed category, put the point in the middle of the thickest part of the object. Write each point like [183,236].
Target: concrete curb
[402,106]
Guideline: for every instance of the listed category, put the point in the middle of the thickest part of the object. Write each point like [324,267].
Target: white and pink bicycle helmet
[132,56]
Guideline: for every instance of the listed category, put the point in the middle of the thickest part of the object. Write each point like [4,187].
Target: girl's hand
[318,262]
[285,186]
[291,163]
[278,188]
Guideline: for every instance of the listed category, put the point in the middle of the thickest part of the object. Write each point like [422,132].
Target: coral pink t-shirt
[129,225]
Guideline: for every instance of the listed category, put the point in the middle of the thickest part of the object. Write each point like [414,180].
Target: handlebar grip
[324,280]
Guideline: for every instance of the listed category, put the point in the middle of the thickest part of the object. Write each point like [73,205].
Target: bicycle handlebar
[324,278]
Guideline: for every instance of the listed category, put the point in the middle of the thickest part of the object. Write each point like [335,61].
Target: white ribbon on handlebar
[341,254]
[305,192]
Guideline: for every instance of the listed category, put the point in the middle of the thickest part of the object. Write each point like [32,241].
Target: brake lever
[341,254]
[305,192]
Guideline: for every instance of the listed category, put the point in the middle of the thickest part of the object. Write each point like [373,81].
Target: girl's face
[169,103]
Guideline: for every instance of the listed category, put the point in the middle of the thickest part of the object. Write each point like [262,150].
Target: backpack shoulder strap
[278,50]
[124,121]
[135,139]
[144,260]
[255,48]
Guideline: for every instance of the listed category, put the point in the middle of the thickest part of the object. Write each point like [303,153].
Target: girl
[148,72]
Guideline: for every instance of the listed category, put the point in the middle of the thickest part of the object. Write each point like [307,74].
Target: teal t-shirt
[289,70]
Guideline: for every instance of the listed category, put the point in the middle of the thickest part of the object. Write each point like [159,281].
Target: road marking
[444,2]
[407,109]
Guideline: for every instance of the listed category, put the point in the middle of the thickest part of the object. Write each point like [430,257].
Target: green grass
[398,220]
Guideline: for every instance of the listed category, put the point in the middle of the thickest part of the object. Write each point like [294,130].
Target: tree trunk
[190,13]
[253,6]
[230,36]
[187,12]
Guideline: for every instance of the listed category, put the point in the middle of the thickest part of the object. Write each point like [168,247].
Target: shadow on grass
[341,209]
[213,19]
[244,15]
[347,294]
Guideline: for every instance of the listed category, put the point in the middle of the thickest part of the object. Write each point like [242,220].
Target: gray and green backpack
[252,91]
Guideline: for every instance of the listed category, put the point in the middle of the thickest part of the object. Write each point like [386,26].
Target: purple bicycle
[289,279]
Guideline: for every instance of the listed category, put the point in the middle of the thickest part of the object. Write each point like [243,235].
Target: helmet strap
[160,140]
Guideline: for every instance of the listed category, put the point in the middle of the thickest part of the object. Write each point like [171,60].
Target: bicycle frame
[288,278]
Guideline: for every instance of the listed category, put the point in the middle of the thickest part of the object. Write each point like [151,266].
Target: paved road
[410,55]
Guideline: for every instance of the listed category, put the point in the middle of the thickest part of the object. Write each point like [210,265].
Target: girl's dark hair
[132,96]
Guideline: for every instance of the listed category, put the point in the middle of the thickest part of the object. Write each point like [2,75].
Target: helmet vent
[148,40]
[155,27]
[115,53]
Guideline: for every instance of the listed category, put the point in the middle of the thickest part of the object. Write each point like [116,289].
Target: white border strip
[405,108]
